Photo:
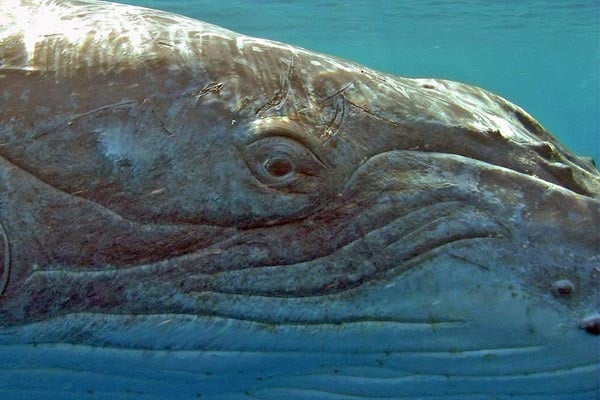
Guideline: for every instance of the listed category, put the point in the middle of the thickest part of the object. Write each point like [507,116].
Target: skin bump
[563,288]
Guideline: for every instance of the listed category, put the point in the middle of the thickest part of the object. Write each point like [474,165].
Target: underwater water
[543,55]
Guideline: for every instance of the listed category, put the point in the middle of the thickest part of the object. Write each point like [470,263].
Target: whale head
[241,217]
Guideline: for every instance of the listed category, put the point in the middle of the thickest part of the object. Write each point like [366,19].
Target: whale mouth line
[253,322]
[440,207]
[375,256]
[459,353]
[162,332]
[340,285]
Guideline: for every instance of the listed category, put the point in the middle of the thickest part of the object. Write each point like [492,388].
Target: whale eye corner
[563,288]
[591,324]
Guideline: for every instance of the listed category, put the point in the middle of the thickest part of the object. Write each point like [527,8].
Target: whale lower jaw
[423,349]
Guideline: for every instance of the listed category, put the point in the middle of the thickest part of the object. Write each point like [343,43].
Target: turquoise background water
[543,55]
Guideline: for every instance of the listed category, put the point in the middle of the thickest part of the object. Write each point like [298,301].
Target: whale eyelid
[296,138]
[281,162]
[288,130]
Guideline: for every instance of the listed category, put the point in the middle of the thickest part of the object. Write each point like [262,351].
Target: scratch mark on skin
[209,88]
[101,109]
[6,261]
[162,125]
[348,86]
[277,100]
[164,43]
[373,114]
[339,106]
[77,117]
[337,120]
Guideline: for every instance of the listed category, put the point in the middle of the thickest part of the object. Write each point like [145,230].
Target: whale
[191,213]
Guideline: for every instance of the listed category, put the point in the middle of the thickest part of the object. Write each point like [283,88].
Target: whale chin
[460,332]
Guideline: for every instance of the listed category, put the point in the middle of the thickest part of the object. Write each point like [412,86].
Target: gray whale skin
[190,213]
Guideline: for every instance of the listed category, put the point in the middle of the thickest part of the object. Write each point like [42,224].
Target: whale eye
[279,167]
[283,162]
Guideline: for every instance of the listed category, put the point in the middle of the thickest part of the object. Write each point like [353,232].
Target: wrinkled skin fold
[186,212]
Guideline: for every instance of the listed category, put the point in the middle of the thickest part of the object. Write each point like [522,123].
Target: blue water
[543,55]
